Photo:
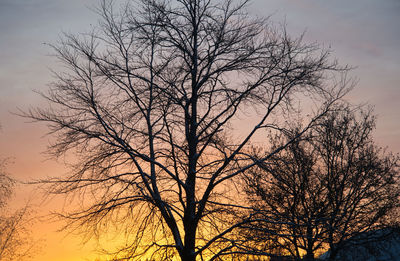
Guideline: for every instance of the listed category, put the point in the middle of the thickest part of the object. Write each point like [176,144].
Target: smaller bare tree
[325,188]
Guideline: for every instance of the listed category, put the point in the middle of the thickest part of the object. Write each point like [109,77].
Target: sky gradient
[362,33]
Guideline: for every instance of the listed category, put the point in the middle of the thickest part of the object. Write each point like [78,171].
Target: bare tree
[15,235]
[149,107]
[325,188]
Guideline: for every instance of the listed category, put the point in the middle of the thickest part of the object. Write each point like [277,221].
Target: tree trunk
[187,254]
[309,257]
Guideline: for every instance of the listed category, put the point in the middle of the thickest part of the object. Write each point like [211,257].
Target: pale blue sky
[362,33]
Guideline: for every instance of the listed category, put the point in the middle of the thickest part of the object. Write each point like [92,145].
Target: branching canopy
[149,104]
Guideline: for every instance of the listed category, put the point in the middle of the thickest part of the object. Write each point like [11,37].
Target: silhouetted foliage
[149,105]
[380,244]
[324,188]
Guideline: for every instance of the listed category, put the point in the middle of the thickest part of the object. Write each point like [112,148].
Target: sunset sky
[363,33]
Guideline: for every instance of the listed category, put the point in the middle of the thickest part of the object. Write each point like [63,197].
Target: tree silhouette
[325,188]
[15,234]
[149,105]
